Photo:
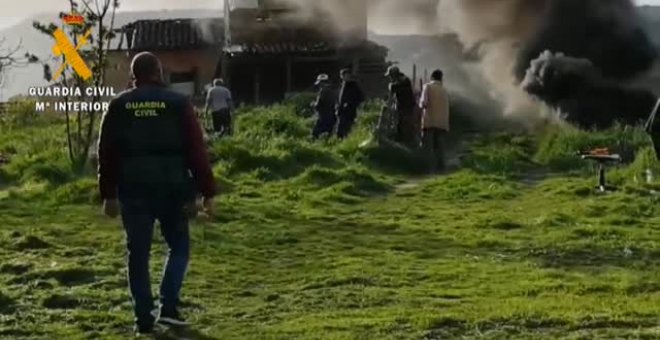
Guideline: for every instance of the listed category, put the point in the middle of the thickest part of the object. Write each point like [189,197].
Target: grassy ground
[330,240]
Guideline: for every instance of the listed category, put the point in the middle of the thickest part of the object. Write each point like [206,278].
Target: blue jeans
[138,216]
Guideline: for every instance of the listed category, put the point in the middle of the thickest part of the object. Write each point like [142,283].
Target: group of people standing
[401,122]
[336,109]
[153,167]
[399,119]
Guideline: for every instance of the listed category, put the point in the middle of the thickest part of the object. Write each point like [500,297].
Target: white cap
[321,78]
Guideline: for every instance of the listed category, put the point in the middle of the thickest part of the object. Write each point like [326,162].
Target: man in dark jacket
[325,104]
[401,93]
[151,154]
[350,98]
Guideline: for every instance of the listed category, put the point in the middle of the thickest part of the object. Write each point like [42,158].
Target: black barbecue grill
[604,158]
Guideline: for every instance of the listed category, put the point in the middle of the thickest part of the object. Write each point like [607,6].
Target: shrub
[82,191]
[470,186]
[320,177]
[363,182]
[4,177]
[269,122]
[502,154]
[558,146]
[301,103]
[354,181]
[19,113]
[646,159]
[279,159]
[48,166]
[393,159]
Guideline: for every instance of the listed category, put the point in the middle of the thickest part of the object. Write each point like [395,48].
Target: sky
[649,2]
[11,12]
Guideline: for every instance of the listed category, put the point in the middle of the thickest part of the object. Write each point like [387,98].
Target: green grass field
[331,240]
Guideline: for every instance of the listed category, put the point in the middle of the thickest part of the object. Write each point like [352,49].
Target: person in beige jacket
[435,119]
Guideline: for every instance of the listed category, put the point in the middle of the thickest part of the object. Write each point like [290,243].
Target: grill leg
[601,178]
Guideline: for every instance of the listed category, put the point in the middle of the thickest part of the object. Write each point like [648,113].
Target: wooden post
[289,74]
[257,84]
[225,73]
[414,75]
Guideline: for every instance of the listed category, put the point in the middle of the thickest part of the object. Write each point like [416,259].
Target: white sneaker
[169,319]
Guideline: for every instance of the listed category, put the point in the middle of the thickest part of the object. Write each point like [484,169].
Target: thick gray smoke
[586,97]
[387,16]
[606,32]
[597,44]
[495,29]
[602,43]
[607,35]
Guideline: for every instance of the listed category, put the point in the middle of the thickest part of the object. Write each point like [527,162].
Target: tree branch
[11,56]
[84,2]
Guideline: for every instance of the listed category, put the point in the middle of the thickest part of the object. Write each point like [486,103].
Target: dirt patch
[7,304]
[15,268]
[31,242]
[504,225]
[272,297]
[644,288]
[351,281]
[69,277]
[72,276]
[15,333]
[57,301]
[593,257]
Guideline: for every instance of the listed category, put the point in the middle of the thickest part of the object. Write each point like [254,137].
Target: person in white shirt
[435,120]
[219,102]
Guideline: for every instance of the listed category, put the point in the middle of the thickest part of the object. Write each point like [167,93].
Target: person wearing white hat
[322,78]
[325,104]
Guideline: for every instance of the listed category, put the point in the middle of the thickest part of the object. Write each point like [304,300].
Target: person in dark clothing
[325,104]
[350,98]
[401,93]
[152,163]
[652,127]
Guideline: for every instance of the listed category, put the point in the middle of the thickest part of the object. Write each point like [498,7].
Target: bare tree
[100,19]
[11,55]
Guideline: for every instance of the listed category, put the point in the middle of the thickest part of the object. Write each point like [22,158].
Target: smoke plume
[587,98]
[606,32]
[579,57]
[595,48]
[391,16]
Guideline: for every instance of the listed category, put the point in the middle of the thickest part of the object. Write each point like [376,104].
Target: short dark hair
[437,75]
[146,65]
[345,71]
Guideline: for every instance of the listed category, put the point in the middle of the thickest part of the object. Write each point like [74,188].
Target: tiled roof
[173,34]
[281,48]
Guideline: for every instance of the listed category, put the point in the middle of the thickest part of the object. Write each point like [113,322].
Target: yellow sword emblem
[64,46]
